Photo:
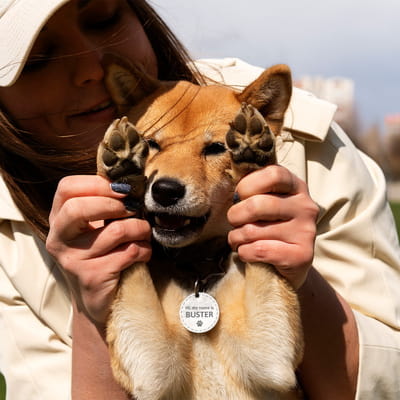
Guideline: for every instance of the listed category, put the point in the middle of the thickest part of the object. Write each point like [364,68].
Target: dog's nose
[167,192]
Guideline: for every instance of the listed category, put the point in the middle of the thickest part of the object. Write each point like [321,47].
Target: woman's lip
[104,112]
[97,108]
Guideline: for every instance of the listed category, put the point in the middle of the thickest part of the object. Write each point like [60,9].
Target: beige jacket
[356,251]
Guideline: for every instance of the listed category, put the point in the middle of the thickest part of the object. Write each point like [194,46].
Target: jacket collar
[308,117]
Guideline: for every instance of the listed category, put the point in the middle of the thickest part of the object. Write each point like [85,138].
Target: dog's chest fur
[248,350]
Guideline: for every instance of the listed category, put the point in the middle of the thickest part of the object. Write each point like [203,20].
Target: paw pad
[251,142]
[122,155]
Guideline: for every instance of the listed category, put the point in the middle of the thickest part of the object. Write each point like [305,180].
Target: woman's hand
[92,253]
[275,222]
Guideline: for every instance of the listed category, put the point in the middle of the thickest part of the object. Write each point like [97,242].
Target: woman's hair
[32,169]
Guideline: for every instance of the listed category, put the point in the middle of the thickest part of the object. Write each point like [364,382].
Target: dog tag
[199,313]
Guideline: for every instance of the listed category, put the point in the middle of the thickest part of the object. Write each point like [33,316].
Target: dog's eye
[213,149]
[153,144]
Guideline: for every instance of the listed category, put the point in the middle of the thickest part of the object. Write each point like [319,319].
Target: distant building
[392,124]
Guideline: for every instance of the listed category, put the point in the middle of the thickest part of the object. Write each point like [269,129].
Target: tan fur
[255,348]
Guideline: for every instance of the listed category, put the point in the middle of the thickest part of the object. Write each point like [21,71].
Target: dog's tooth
[157,220]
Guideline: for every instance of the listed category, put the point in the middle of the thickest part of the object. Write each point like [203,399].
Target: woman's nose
[88,66]
[89,69]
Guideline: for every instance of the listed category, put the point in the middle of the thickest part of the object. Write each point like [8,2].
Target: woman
[55,108]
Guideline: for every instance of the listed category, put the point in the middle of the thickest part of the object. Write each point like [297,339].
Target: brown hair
[32,169]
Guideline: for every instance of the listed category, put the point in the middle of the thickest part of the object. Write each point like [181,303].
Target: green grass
[2,387]
[396,212]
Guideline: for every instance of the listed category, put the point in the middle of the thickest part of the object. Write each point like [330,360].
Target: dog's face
[189,189]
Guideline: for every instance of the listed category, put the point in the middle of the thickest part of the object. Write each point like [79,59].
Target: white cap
[20,23]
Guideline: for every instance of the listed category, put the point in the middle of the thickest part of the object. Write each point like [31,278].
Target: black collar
[200,264]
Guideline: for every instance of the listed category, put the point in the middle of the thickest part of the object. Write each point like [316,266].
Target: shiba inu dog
[196,322]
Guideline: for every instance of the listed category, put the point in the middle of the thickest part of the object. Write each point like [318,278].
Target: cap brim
[20,25]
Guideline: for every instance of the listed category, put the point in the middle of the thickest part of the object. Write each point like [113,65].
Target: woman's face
[60,95]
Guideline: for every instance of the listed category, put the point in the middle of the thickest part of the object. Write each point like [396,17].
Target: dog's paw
[121,156]
[250,141]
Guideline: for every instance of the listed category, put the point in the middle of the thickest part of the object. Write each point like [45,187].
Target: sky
[356,39]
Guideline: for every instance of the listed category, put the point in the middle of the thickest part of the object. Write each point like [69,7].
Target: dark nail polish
[236,198]
[123,188]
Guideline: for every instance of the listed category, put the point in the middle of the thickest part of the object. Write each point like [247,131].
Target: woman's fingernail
[236,198]
[132,204]
[123,188]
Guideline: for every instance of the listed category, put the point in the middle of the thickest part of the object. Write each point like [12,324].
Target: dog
[196,322]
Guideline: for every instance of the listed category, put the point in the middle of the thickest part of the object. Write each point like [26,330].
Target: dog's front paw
[121,156]
[250,141]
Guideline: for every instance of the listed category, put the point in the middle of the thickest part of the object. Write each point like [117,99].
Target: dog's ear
[270,93]
[127,83]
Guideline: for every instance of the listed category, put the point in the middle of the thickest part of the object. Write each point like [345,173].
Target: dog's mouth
[174,230]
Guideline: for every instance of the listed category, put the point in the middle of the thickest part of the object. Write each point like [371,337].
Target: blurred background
[347,52]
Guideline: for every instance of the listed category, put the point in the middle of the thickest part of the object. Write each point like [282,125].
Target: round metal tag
[199,314]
